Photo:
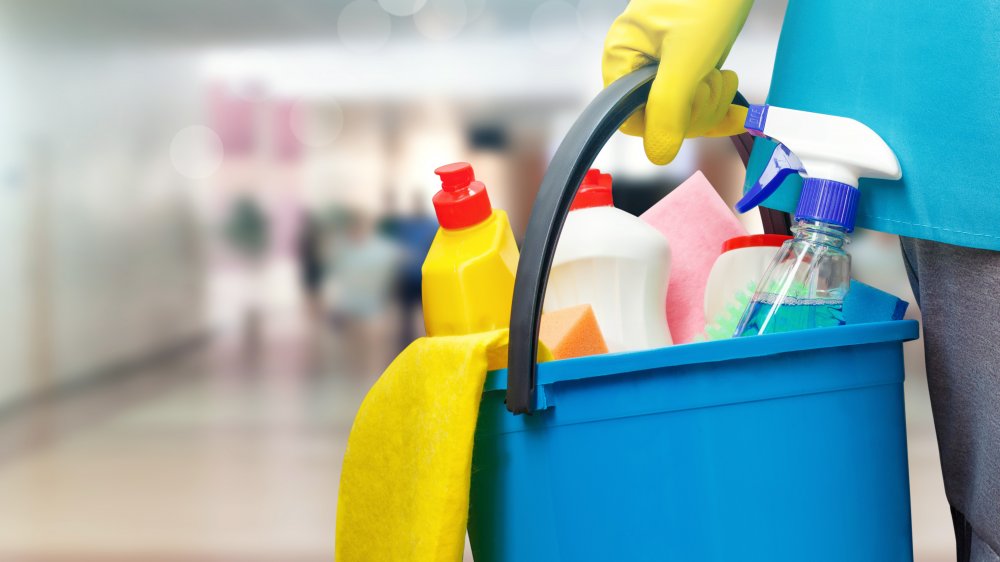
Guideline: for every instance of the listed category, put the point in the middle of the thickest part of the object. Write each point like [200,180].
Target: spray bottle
[805,285]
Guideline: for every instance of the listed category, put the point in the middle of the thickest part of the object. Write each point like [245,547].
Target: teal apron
[925,76]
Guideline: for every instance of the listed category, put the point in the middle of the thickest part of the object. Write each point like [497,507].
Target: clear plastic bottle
[805,285]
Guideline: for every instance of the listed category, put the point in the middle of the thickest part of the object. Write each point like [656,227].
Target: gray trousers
[958,291]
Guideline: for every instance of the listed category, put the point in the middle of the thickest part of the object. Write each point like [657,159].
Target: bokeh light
[363,26]
[196,152]
[441,20]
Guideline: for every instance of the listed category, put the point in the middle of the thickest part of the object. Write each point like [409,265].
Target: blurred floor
[231,453]
[226,454]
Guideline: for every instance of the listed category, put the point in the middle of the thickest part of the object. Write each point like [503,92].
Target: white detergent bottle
[616,263]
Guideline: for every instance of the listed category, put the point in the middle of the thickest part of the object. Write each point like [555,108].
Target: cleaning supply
[809,277]
[468,275]
[697,222]
[690,95]
[724,324]
[404,485]
[614,262]
[733,280]
[572,332]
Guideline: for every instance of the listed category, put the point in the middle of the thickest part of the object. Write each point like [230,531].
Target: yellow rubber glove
[691,95]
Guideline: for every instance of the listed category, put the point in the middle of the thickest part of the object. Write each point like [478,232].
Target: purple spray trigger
[781,165]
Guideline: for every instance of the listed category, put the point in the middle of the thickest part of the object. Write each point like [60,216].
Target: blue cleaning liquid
[793,314]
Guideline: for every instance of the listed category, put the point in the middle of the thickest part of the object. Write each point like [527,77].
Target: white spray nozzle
[831,152]
[829,147]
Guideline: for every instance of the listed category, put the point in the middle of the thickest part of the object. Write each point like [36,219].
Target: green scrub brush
[724,324]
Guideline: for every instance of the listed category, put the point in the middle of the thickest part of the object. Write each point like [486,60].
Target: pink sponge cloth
[696,221]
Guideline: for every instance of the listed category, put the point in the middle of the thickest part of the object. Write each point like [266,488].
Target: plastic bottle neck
[462,201]
[483,224]
[823,233]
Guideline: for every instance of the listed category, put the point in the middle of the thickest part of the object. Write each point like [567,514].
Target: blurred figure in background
[246,231]
[413,234]
[359,288]
[312,268]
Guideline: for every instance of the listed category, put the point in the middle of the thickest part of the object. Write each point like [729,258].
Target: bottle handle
[572,159]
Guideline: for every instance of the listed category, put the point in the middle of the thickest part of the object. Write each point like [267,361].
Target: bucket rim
[714,352]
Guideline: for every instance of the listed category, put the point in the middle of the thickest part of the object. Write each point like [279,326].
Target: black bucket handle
[576,153]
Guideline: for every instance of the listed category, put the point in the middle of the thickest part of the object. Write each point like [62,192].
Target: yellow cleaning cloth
[404,489]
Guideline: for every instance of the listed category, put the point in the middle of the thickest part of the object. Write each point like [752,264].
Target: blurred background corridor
[213,216]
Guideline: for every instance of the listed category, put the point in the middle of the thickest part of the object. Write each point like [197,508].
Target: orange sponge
[572,332]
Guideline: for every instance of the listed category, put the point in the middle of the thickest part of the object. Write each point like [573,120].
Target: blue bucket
[779,447]
[784,447]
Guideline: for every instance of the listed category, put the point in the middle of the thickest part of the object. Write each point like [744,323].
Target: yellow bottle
[468,275]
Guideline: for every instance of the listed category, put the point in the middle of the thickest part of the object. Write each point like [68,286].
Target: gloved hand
[690,96]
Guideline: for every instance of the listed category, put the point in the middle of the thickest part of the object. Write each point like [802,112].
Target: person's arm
[691,95]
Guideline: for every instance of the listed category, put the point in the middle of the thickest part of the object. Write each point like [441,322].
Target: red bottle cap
[754,240]
[462,201]
[595,191]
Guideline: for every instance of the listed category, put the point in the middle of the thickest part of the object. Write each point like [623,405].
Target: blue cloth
[865,303]
[924,76]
